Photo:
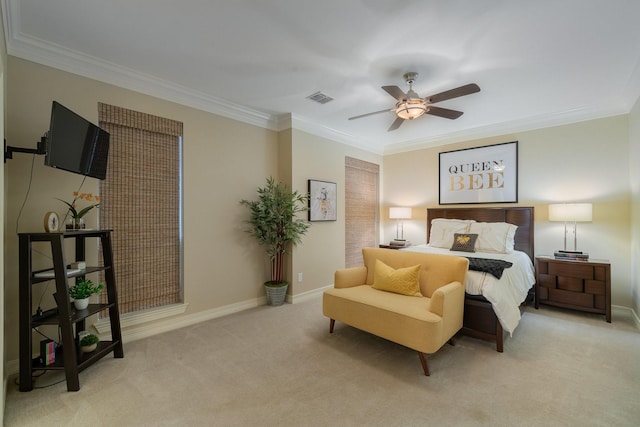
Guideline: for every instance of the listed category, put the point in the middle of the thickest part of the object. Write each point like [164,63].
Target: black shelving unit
[71,321]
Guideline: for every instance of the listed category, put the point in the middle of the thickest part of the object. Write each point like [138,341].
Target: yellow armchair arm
[448,299]
[349,277]
[448,303]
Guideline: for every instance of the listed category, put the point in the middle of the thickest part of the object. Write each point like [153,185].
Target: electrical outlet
[299,277]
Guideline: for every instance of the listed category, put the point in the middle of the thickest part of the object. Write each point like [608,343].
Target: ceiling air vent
[320,98]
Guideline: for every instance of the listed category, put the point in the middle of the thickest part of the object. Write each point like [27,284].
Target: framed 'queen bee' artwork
[486,174]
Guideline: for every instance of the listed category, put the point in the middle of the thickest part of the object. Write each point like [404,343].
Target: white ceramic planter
[81,304]
[88,348]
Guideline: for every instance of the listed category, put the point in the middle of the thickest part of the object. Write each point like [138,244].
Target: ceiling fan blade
[371,114]
[453,93]
[396,124]
[395,91]
[443,112]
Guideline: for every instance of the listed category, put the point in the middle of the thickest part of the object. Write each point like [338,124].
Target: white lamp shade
[570,212]
[399,213]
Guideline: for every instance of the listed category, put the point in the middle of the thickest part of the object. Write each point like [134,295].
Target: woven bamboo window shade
[361,208]
[140,202]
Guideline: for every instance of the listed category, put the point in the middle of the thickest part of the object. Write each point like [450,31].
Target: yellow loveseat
[423,322]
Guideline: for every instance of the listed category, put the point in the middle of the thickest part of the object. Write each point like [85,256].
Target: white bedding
[505,294]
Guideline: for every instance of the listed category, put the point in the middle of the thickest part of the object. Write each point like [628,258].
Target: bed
[493,306]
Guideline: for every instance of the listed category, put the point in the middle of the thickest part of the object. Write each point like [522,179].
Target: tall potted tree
[274,224]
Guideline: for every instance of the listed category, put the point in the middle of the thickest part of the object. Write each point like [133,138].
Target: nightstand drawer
[572,298]
[571,269]
[572,284]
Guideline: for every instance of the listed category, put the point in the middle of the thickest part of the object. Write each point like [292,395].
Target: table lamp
[399,213]
[570,212]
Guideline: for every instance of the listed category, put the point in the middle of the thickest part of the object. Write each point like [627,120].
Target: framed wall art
[323,198]
[486,174]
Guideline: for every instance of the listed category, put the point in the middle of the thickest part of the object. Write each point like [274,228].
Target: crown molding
[59,57]
[56,56]
[523,125]
[292,121]
[53,55]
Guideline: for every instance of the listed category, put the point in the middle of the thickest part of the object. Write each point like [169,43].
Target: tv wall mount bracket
[9,150]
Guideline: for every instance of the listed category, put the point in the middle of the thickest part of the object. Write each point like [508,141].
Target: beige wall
[322,249]
[582,162]
[634,161]
[224,162]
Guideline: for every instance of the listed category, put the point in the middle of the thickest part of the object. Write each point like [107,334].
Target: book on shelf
[582,256]
[50,274]
[399,243]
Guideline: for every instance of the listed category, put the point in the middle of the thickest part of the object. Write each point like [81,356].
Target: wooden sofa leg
[332,323]
[423,360]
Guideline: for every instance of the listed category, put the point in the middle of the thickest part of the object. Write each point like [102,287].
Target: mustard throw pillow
[401,281]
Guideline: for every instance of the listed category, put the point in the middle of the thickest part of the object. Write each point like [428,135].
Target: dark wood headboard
[517,215]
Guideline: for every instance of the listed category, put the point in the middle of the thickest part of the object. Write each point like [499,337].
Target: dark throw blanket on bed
[495,267]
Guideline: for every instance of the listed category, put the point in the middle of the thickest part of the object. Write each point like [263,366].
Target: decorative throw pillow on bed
[442,231]
[494,236]
[400,281]
[464,242]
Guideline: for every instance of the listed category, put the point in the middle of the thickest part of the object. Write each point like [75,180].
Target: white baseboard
[11,367]
[307,295]
[132,331]
[634,315]
[145,330]
[103,326]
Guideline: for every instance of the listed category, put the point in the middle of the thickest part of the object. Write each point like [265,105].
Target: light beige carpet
[279,366]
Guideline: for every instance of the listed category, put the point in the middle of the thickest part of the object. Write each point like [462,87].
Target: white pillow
[494,236]
[442,231]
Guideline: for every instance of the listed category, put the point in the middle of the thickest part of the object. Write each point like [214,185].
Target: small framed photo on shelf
[323,197]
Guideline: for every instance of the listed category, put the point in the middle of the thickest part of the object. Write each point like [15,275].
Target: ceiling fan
[410,106]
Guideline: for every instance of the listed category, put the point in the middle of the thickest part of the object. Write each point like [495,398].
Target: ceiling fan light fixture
[409,109]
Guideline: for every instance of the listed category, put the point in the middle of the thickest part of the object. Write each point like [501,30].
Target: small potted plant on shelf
[82,290]
[88,343]
[77,220]
[274,224]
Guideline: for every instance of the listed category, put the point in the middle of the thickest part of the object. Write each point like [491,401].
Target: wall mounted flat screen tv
[75,144]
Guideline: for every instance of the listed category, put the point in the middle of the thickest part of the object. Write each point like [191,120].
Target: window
[141,201]
[361,208]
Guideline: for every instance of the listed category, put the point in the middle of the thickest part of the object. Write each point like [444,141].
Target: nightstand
[391,247]
[578,285]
